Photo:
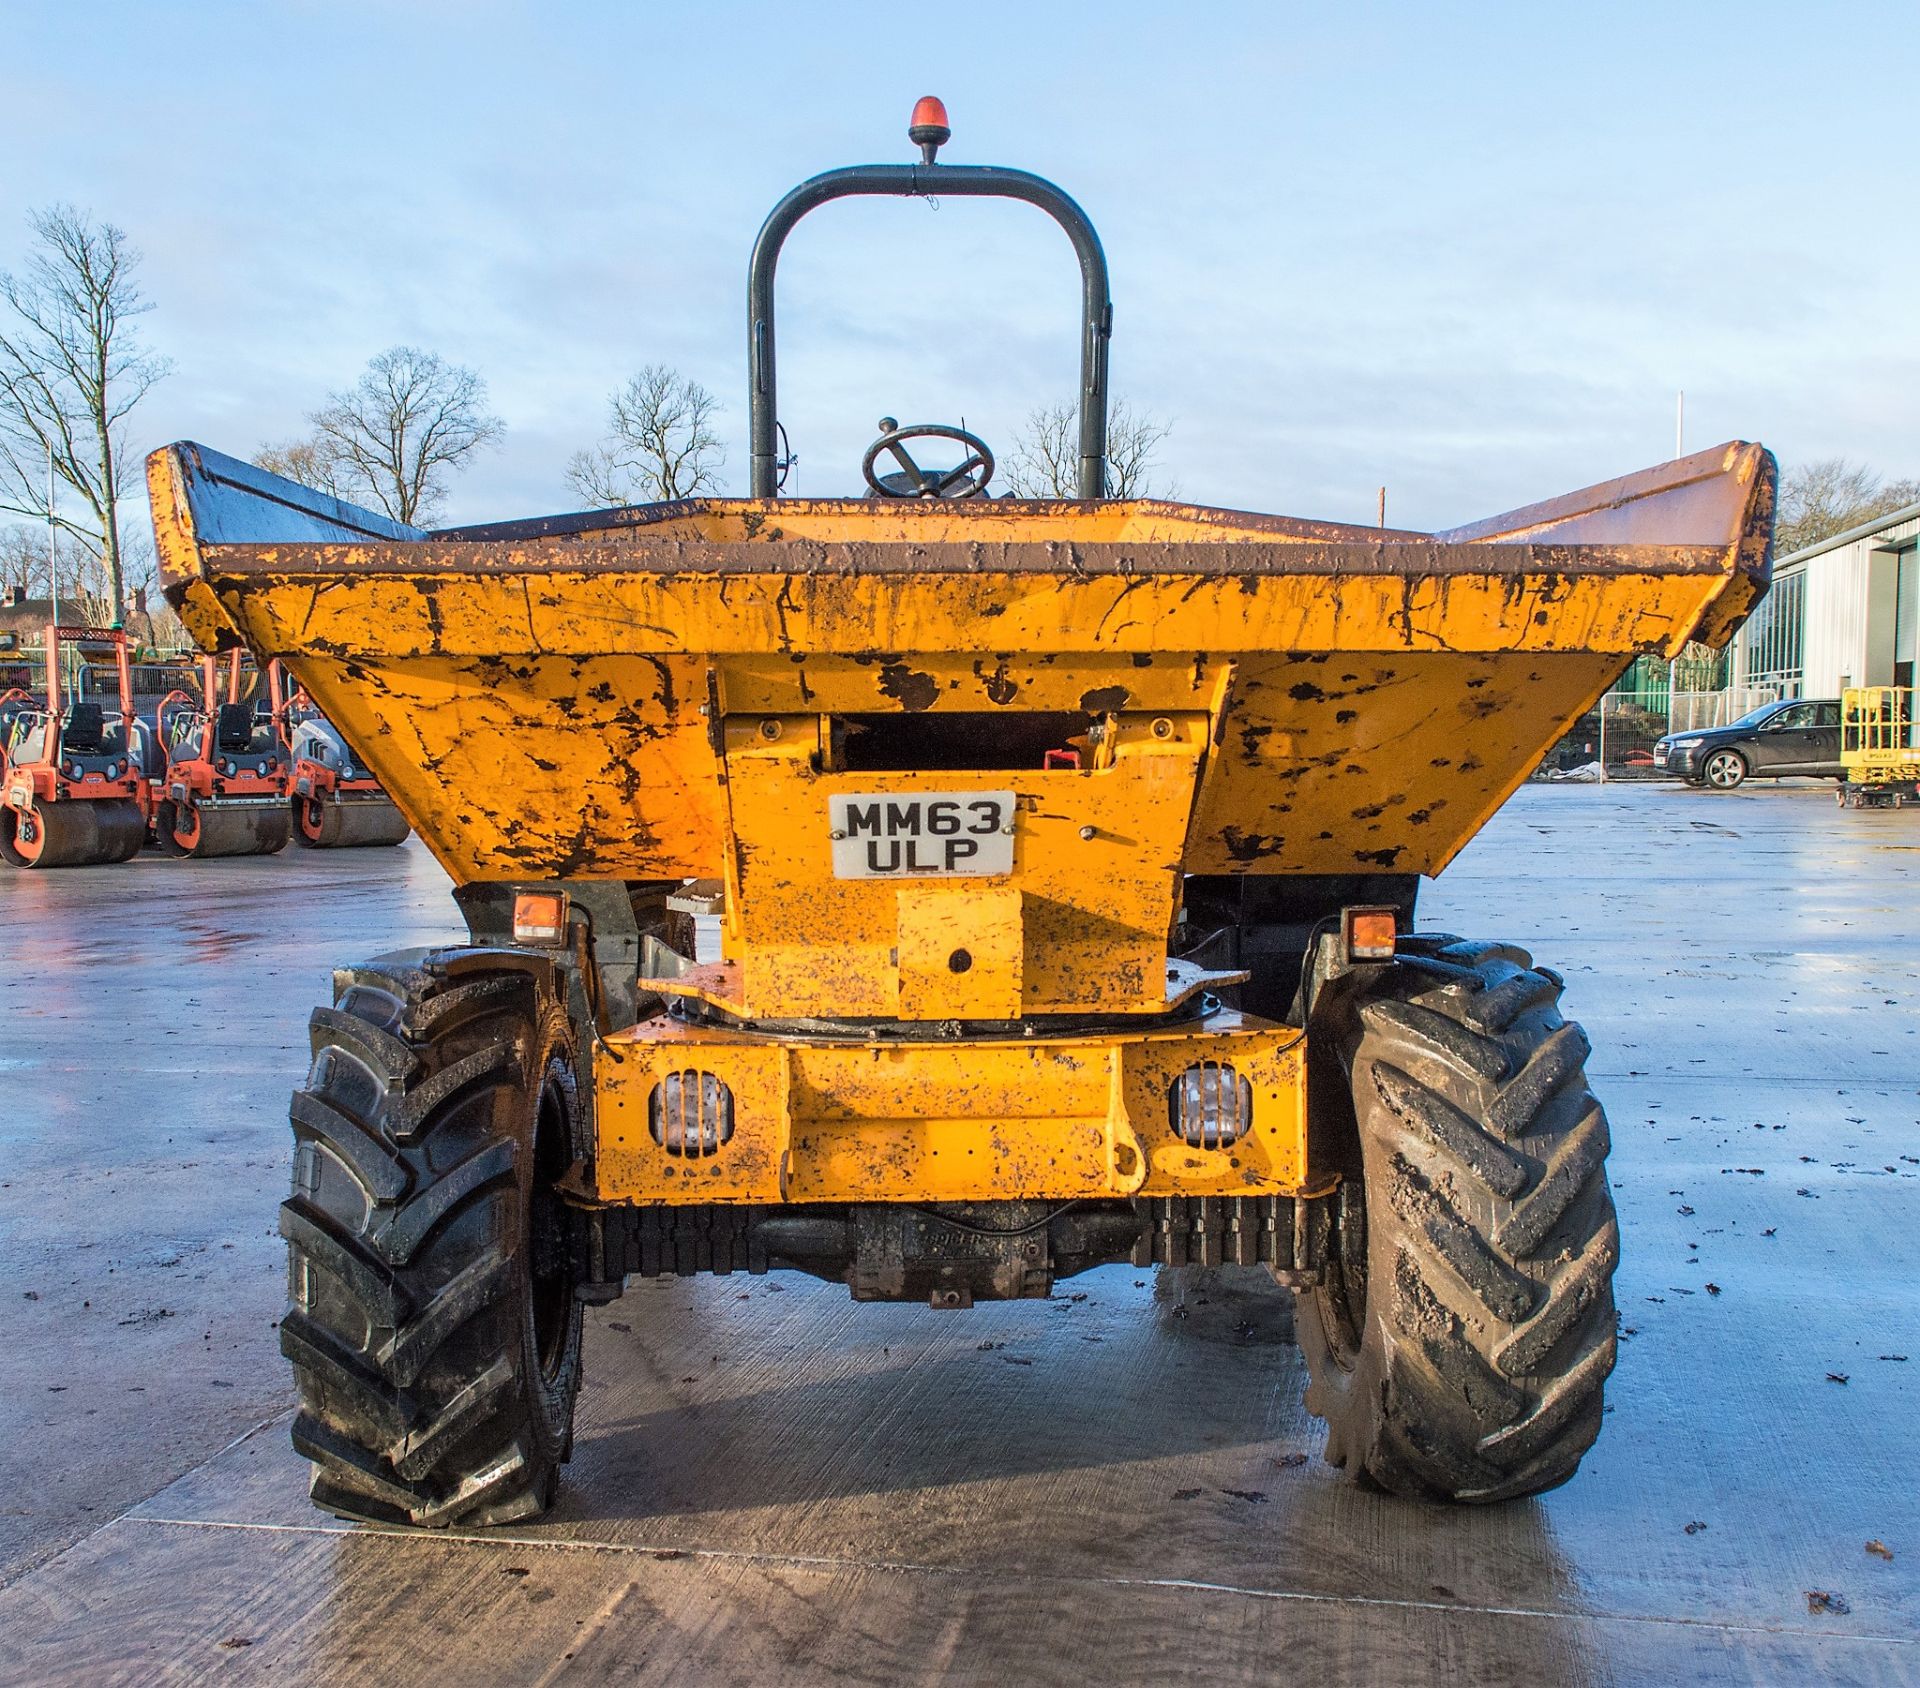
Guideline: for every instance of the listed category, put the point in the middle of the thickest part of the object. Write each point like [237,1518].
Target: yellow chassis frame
[1047,1118]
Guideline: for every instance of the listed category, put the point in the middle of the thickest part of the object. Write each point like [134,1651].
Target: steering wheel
[968,480]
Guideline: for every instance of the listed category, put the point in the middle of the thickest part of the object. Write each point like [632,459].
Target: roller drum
[79,832]
[215,829]
[358,824]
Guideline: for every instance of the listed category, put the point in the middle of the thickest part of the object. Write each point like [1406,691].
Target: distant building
[1845,612]
[23,622]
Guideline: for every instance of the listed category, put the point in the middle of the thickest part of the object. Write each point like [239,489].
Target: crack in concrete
[986,1574]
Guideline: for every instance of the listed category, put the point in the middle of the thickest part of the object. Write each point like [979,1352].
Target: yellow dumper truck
[1063,856]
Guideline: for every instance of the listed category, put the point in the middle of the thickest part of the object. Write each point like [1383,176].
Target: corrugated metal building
[1845,612]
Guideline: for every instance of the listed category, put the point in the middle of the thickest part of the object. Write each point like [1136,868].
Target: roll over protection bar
[979,181]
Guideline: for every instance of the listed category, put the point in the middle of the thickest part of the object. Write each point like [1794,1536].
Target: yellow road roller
[942,894]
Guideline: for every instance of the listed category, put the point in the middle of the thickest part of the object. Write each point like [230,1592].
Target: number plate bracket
[935,835]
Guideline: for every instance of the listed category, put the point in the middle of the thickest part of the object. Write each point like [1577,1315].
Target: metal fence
[1615,739]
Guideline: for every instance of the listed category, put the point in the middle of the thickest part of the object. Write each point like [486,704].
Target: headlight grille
[691,1113]
[1210,1106]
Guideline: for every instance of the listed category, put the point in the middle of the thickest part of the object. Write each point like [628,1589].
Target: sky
[1469,253]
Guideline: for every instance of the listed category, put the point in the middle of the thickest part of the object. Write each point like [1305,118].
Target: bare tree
[660,444]
[82,581]
[163,629]
[23,561]
[71,370]
[312,462]
[1830,495]
[1045,462]
[394,437]
[603,479]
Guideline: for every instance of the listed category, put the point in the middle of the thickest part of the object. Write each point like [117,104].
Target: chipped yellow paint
[960,950]
[656,694]
[1080,926]
[1039,1119]
[569,739]
[670,693]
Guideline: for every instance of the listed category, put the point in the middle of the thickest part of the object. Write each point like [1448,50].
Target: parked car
[1798,737]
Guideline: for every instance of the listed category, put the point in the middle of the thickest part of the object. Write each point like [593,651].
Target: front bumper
[1681,759]
[1063,1118]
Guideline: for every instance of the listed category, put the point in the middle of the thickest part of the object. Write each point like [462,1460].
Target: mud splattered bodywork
[679,692]
[540,697]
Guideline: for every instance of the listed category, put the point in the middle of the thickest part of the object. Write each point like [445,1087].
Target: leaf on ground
[1825,1600]
[1879,1549]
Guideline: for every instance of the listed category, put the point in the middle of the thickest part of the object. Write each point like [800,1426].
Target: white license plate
[943,835]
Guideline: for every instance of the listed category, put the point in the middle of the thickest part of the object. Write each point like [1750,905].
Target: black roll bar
[979,181]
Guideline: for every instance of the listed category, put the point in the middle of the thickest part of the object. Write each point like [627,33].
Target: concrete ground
[774,1485]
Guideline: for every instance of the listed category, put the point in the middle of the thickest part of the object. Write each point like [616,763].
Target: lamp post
[53,555]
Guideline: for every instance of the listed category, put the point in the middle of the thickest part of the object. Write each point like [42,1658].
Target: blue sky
[1468,252]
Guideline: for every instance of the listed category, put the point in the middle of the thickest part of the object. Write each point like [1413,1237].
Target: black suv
[1800,737]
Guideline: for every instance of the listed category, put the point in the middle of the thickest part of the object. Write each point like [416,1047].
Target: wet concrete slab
[772,1484]
[152,1021]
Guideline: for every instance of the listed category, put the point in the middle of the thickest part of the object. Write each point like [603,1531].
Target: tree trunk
[109,502]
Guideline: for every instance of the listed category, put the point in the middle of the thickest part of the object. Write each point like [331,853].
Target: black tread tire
[1490,1238]
[431,1320]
